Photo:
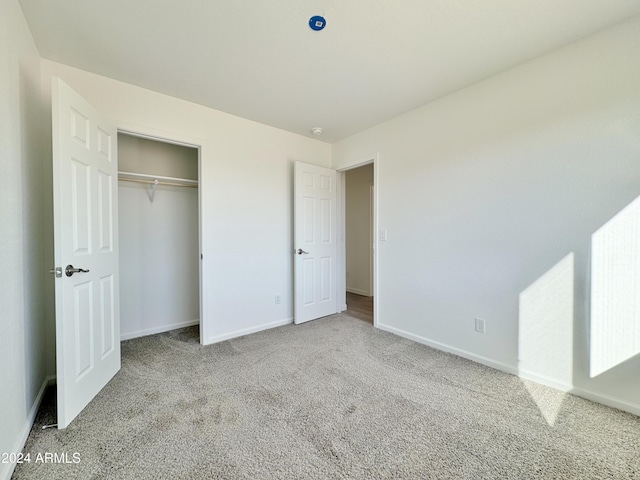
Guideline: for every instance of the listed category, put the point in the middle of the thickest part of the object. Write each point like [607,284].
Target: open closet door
[314,242]
[85,186]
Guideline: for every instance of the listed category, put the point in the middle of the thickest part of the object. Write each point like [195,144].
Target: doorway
[159,235]
[359,195]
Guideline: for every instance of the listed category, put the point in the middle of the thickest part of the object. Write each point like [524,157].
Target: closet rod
[145,178]
[158,182]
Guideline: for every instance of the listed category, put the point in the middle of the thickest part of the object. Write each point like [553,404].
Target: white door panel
[85,230]
[315,242]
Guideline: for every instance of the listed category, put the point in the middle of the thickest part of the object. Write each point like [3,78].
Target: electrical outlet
[278,300]
[480,325]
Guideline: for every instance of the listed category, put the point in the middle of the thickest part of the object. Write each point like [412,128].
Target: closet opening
[159,233]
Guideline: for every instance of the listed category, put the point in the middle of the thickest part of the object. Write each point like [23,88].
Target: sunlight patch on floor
[548,400]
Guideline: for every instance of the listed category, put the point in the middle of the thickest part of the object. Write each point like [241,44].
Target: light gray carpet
[333,398]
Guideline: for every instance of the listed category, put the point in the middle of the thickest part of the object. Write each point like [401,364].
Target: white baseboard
[544,380]
[608,401]
[446,348]
[6,469]
[523,374]
[158,329]
[581,392]
[247,331]
[357,291]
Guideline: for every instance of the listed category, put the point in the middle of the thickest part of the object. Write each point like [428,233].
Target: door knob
[70,270]
[301,251]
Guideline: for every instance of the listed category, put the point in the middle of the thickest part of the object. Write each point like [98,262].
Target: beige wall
[22,238]
[142,155]
[490,197]
[246,196]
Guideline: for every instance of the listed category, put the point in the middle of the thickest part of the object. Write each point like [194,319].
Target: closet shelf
[157,179]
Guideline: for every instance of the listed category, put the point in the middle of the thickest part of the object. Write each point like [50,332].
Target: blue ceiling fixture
[317,23]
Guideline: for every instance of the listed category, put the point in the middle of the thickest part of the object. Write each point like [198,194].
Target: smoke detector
[316,131]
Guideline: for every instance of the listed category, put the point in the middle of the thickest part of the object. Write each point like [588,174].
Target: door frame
[184,141]
[372,235]
[341,271]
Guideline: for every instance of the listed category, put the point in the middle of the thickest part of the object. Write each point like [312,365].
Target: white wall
[486,190]
[159,245]
[358,182]
[22,239]
[144,155]
[246,187]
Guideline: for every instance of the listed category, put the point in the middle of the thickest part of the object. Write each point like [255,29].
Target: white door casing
[85,181]
[372,237]
[315,248]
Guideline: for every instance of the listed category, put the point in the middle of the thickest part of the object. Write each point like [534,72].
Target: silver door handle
[70,270]
[301,251]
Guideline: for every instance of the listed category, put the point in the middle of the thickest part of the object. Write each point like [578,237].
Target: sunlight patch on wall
[545,339]
[615,290]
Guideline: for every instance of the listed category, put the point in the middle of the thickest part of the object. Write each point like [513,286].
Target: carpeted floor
[333,398]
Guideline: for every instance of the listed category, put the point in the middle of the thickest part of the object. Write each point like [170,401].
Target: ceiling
[260,60]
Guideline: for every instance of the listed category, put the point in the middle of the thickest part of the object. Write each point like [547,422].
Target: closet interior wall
[159,253]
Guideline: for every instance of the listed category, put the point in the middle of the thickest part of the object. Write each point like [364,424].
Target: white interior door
[85,181]
[315,247]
